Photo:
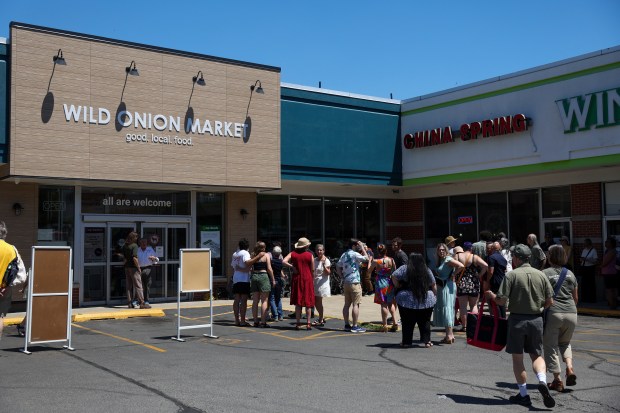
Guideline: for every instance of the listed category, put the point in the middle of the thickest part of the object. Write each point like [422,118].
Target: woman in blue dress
[443,315]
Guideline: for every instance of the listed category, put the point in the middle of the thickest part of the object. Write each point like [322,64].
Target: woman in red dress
[302,284]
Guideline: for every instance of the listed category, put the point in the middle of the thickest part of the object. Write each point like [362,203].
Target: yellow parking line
[315,336]
[161,350]
[603,334]
[604,351]
[592,341]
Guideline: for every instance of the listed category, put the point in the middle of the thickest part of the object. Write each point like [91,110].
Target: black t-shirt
[276,266]
[401,259]
[498,263]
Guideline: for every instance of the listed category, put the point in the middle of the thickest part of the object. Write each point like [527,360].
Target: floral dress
[468,283]
[384,289]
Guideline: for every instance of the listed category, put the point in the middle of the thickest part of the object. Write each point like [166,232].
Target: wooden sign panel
[50,295]
[195,270]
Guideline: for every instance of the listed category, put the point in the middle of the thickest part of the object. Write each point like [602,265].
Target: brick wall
[404,218]
[586,211]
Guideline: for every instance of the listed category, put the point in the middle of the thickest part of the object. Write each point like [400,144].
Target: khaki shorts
[352,294]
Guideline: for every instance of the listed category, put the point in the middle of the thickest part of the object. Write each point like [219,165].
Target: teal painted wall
[4,103]
[327,138]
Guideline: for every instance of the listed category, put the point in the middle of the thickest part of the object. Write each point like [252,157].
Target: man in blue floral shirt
[349,267]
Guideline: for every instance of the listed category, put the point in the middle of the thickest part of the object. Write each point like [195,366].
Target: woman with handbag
[443,315]
[561,319]
[416,296]
[384,288]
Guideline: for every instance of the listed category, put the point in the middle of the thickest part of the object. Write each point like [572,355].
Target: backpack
[10,273]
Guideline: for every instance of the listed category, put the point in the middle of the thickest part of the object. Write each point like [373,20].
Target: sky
[376,48]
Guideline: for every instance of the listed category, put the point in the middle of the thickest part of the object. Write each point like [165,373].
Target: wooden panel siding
[44,144]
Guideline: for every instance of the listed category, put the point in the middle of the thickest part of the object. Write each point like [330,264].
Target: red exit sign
[466,220]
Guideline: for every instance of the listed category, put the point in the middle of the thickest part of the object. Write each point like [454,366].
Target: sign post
[49,297]
[195,275]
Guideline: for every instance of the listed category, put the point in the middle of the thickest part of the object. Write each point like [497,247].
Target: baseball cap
[521,251]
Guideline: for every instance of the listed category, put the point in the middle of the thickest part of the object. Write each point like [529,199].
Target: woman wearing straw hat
[302,284]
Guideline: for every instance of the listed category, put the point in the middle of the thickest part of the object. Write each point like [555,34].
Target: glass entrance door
[557,229]
[104,273]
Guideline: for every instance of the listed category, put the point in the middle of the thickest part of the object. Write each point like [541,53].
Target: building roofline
[42,29]
[339,93]
[516,74]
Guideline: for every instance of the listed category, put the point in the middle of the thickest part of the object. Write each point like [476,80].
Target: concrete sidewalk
[369,311]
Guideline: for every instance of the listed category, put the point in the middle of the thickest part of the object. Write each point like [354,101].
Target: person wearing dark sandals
[242,263]
[416,296]
[561,319]
[322,270]
[261,283]
[302,284]
[527,291]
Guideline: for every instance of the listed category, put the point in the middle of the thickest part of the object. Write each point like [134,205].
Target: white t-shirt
[589,257]
[242,271]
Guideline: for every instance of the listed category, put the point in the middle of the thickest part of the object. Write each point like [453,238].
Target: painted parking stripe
[161,350]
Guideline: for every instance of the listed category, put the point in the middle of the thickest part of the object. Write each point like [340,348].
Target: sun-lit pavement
[131,364]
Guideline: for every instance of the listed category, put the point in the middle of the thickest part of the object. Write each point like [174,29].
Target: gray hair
[3,230]
[504,243]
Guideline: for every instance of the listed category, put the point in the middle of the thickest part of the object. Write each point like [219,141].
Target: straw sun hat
[303,242]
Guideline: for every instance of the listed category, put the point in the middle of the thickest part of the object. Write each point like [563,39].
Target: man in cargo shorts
[349,267]
[528,292]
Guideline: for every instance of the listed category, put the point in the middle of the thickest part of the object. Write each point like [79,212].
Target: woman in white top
[322,270]
[587,271]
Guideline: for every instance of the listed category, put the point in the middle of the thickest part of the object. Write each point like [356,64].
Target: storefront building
[99,137]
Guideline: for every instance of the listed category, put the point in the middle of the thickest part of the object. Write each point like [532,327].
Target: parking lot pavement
[133,365]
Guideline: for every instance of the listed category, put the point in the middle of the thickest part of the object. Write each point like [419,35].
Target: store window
[463,219]
[368,222]
[493,212]
[306,219]
[209,207]
[273,220]
[437,227]
[556,202]
[612,199]
[524,216]
[56,216]
[339,225]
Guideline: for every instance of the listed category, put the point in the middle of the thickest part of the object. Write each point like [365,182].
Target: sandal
[571,378]
[394,328]
[383,329]
[298,326]
[308,327]
[429,344]
[447,340]
[318,323]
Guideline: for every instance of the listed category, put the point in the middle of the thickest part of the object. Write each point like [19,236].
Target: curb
[118,315]
[598,312]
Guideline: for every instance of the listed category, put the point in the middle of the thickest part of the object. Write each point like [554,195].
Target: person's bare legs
[243,307]
[318,304]
[355,313]
[236,302]
[298,314]
[264,297]
[255,298]
[384,315]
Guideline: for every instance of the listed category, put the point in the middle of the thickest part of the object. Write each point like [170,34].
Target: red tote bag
[487,331]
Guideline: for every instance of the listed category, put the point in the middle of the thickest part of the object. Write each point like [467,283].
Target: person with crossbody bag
[560,319]
[587,271]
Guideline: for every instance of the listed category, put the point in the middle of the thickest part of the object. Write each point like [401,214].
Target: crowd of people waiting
[529,280]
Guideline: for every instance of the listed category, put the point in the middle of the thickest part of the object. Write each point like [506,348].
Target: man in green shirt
[528,292]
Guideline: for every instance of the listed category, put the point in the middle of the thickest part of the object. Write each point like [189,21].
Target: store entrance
[104,275]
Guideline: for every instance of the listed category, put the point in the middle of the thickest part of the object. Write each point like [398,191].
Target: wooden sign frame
[49,304]
[195,275]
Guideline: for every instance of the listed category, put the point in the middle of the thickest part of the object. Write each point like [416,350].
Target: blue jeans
[275,299]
